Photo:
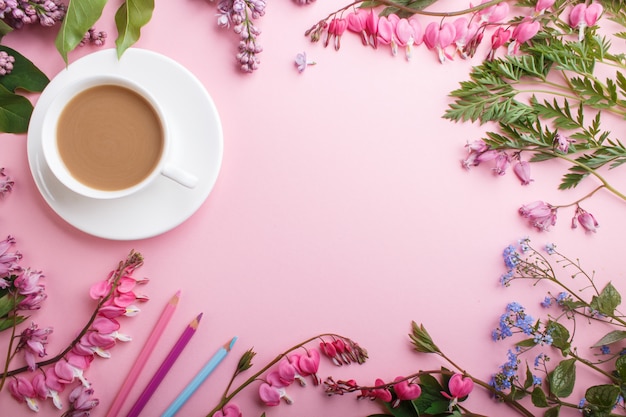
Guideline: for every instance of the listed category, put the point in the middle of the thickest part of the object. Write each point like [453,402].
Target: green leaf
[611,337]
[560,336]
[81,15]
[422,340]
[561,380]
[607,301]
[620,367]
[25,74]
[4,28]
[538,398]
[131,16]
[404,409]
[552,412]
[15,112]
[604,396]
[7,304]
[7,323]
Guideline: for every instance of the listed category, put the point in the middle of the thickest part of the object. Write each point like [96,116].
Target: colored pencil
[199,379]
[156,380]
[152,341]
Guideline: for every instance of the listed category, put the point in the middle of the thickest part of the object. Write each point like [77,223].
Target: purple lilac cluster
[6,66]
[6,183]
[17,13]
[94,37]
[240,15]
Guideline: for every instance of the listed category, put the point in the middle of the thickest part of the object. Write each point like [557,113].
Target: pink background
[340,207]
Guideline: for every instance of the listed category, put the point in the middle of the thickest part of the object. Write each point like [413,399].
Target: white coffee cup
[105,137]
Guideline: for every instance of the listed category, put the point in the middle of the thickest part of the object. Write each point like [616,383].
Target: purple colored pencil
[177,349]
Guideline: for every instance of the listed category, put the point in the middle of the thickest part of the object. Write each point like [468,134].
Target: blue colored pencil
[199,379]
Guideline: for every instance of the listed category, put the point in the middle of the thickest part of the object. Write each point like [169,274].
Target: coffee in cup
[106,137]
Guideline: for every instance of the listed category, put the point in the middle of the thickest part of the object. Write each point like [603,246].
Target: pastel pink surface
[340,207]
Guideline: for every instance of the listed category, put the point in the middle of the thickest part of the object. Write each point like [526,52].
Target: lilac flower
[240,14]
[301,62]
[33,342]
[93,37]
[6,66]
[17,13]
[6,183]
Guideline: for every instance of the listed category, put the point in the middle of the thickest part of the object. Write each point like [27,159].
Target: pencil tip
[199,317]
[228,346]
[175,298]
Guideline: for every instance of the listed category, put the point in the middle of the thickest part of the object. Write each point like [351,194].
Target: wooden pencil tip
[229,345]
[175,298]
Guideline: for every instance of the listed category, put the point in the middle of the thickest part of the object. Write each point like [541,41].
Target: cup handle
[179,175]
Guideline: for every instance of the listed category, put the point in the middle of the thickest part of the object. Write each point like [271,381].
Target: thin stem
[9,350]
[591,171]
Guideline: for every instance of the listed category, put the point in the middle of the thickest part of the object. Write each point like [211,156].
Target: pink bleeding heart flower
[465,32]
[357,23]
[498,38]
[543,5]
[273,390]
[494,14]
[522,171]
[586,220]
[309,364]
[405,390]
[229,410]
[539,214]
[562,143]
[583,16]
[439,37]
[405,37]
[23,391]
[336,29]
[382,394]
[385,32]
[459,387]
[371,27]
[100,290]
[522,33]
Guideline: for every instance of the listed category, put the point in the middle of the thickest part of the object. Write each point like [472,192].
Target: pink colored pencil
[143,399]
[154,337]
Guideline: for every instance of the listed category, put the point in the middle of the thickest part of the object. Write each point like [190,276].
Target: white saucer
[195,125]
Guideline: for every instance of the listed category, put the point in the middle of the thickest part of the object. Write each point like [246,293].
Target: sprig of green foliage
[551,88]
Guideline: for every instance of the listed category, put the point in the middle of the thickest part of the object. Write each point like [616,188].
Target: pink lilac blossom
[240,14]
[17,13]
[8,260]
[6,66]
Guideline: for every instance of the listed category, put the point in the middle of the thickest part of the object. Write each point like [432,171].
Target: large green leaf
[25,74]
[81,15]
[607,301]
[129,19]
[15,112]
[7,323]
[613,336]
[604,396]
[562,378]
